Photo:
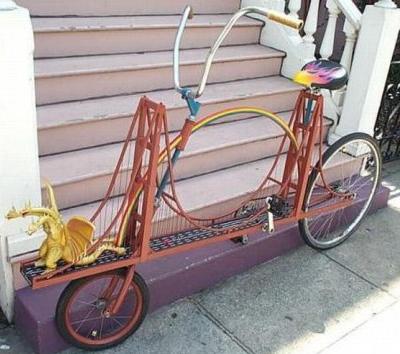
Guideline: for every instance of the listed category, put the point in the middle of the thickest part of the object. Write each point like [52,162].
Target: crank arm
[269,225]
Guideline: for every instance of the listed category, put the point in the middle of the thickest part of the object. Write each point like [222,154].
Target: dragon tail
[107,246]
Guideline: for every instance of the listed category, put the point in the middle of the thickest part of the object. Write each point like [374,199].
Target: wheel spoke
[86,303]
[115,320]
[87,320]
[82,321]
[101,327]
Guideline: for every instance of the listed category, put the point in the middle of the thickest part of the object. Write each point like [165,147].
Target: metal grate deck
[30,271]
[186,237]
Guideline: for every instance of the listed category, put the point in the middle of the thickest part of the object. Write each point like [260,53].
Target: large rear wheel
[351,168]
[82,317]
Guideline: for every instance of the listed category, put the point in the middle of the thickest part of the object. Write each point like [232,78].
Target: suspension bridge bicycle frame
[307,126]
[150,121]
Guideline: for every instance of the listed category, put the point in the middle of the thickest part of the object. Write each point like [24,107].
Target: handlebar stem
[193,105]
[187,14]
[211,54]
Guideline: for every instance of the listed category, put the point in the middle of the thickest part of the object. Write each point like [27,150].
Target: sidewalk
[345,300]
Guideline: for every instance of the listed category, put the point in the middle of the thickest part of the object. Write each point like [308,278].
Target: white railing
[301,48]
[351,27]
[335,8]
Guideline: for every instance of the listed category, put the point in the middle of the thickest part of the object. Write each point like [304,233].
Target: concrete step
[70,36]
[210,194]
[125,7]
[76,78]
[69,126]
[213,148]
[206,192]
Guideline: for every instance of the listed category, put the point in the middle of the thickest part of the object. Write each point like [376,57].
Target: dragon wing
[79,232]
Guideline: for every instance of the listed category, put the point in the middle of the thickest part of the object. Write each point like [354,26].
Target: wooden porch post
[19,163]
[376,41]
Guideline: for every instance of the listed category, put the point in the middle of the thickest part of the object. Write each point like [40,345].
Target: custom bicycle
[148,211]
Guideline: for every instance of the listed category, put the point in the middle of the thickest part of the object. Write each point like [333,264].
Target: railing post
[346,60]
[294,8]
[350,41]
[19,163]
[329,37]
[310,26]
[376,41]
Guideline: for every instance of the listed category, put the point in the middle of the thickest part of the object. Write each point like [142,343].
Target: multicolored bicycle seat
[321,73]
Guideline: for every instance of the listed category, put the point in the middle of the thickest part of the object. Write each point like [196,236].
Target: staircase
[94,59]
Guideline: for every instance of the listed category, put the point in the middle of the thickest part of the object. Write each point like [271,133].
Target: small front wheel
[351,169]
[81,315]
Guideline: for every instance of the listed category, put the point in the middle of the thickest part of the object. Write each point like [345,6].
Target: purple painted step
[193,271]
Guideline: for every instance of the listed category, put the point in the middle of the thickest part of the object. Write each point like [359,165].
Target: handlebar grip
[284,19]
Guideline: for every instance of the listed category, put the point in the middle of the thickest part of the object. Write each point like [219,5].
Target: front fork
[194,108]
[114,306]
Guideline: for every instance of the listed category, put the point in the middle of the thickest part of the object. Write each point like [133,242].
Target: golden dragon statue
[68,242]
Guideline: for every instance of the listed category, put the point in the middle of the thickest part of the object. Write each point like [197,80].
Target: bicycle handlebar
[188,14]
